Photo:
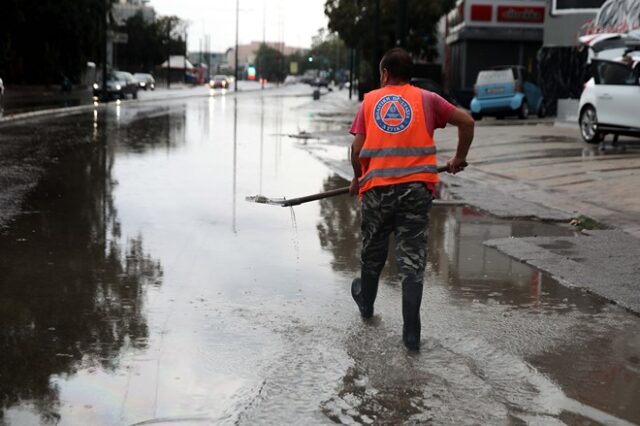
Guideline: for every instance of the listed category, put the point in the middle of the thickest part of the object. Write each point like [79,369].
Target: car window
[496,76]
[615,74]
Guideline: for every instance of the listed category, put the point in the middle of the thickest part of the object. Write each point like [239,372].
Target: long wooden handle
[334,192]
[314,197]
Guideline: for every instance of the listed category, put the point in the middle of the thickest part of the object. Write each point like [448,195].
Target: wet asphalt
[137,286]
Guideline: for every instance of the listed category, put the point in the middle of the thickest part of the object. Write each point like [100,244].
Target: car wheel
[523,112]
[135,95]
[589,125]
[476,116]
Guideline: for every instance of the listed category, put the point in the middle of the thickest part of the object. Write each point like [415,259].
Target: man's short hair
[398,63]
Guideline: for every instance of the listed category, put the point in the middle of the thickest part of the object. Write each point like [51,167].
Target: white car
[609,102]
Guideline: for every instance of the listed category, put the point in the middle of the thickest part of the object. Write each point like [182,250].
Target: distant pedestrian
[394,161]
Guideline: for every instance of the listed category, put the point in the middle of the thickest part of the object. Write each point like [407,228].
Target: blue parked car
[506,90]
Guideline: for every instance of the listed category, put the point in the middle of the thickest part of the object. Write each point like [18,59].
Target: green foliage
[147,44]
[270,63]
[42,40]
[329,51]
[355,22]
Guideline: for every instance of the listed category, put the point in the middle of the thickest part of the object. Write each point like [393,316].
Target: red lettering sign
[525,14]
[481,12]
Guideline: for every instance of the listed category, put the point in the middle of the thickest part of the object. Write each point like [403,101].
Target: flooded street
[137,286]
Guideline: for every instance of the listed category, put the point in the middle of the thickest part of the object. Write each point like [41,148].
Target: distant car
[432,86]
[506,90]
[145,81]
[609,102]
[290,79]
[219,82]
[120,84]
[321,80]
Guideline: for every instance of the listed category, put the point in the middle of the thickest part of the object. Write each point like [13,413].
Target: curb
[49,113]
[64,111]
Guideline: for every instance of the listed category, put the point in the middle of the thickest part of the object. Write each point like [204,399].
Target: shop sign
[481,12]
[521,14]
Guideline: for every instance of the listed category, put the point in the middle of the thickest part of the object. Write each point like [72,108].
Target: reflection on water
[490,323]
[338,230]
[72,288]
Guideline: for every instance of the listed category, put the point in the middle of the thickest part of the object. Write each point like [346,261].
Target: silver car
[145,81]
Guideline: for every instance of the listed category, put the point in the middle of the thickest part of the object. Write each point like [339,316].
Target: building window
[563,7]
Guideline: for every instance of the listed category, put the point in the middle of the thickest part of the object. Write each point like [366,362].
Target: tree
[328,51]
[42,40]
[355,22]
[147,44]
[270,63]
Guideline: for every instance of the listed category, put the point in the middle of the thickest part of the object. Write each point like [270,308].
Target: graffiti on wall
[615,16]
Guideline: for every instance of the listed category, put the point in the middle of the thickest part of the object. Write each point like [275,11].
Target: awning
[606,41]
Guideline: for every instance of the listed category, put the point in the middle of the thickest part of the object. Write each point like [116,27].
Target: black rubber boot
[366,309]
[411,300]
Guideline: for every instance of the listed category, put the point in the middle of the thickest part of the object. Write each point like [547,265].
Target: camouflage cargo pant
[404,210]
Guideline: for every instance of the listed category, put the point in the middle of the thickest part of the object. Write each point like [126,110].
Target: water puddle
[140,297]
[294,236]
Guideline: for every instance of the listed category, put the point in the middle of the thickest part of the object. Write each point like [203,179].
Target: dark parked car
[120,84]
[145,81]
[432,86]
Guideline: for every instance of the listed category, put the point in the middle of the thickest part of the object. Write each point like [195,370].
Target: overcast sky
[294,20]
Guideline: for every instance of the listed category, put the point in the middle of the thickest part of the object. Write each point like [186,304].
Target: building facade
[483,33]
[247,52]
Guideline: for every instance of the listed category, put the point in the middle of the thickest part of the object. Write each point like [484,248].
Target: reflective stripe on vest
[397,152]
[398,147]
[398,172]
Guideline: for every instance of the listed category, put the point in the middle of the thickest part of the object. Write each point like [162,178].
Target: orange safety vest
[397,147]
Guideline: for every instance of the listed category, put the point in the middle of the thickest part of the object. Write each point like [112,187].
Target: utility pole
[168,56]
[207,48]
[104,53]
[401,29]
[184,59]
[264,14]
[351,60]
[235,88]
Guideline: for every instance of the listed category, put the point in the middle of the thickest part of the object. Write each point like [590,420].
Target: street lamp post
[184,59]
[235,87]
[168,56]
[104,53]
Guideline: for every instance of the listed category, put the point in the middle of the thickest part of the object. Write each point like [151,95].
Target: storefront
[484,33]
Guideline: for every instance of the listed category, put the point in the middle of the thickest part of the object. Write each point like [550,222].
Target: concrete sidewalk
[22,103]
[534,170]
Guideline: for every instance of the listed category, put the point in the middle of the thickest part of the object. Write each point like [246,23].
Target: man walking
[394,161]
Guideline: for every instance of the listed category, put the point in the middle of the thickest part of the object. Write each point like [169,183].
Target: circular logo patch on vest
[392,114]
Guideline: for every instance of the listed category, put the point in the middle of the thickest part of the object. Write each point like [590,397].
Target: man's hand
[354,187]
[456,165]
[465,124]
